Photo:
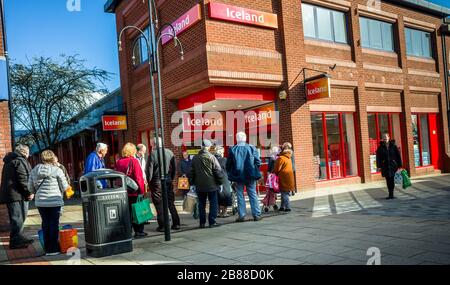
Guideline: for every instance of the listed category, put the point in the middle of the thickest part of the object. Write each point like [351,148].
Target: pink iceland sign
[183,23]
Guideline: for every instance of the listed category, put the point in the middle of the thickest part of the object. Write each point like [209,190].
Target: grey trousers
[17,212]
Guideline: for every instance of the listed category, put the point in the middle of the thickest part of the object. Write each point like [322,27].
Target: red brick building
[5,125]
[385,63]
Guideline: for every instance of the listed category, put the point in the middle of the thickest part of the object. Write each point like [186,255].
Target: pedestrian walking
[129,165]
[154,179]
[207,176]
[14,192]
[284,170]
[388,161]
[49,184]
[242,166]
[185,169]
[225,192]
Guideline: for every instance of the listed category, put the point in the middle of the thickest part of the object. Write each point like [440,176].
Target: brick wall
[362,77]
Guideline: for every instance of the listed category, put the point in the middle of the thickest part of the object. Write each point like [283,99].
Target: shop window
[324,24]
[348,127]
[376,34]
[141,52]
[318,147]
[334,145]
[380,123]
[418,43]
[421,139]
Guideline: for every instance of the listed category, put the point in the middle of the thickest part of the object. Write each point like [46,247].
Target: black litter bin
[107,224]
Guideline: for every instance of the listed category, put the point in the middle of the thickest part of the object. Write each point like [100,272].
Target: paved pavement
[327,226]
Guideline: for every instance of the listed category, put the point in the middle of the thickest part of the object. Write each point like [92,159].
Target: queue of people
[214,177]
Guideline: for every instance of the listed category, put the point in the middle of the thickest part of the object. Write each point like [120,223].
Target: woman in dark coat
[389,161]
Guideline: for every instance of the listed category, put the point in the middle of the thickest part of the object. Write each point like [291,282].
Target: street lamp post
[153,57]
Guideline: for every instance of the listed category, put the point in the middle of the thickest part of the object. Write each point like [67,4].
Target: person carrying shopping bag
[388,161]
[130,166]
[49,184]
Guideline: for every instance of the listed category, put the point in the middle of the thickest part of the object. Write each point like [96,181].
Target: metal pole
[164,166]
[5,47]
[159,148]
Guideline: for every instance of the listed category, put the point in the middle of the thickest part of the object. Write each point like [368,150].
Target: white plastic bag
[190,200]
[398,179]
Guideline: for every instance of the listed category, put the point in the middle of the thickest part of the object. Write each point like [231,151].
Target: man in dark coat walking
[15,194]
[389,161]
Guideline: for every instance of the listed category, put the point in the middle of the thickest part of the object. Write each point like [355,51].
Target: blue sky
[47,28]
[445,3]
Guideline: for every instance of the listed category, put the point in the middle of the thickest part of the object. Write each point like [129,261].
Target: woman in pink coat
[130,166]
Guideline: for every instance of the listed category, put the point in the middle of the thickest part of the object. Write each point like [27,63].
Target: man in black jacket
[15,194]
[154,181]
[207,176]
[389,161]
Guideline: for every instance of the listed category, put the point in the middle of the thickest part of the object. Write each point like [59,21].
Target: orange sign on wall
[242,15]
[114,122]
[318,88]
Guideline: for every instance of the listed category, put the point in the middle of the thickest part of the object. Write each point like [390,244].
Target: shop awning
[227,98]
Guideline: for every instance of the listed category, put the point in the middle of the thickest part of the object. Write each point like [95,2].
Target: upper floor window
[324,24]
[140,51]
[418,43]
[376,34]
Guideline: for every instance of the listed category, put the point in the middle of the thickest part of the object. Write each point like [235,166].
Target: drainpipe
[5,47]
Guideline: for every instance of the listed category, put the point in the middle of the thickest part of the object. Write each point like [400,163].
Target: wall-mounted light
[282,95]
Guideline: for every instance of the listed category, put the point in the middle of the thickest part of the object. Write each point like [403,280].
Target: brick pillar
[294,112]
[406,122]
[5,147]
[361,96]
[443,102]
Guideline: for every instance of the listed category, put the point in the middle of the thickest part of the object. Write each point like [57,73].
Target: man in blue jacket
[95,160]
[243,164]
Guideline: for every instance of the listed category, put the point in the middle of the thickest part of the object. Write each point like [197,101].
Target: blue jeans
[50,227]
[285,200]
[213,207]
[254,202]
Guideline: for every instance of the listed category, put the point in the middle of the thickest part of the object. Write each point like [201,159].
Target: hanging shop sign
[114,122]
[242,15]
[190,18]
[318,87]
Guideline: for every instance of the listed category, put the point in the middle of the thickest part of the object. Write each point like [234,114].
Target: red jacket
[135,172]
